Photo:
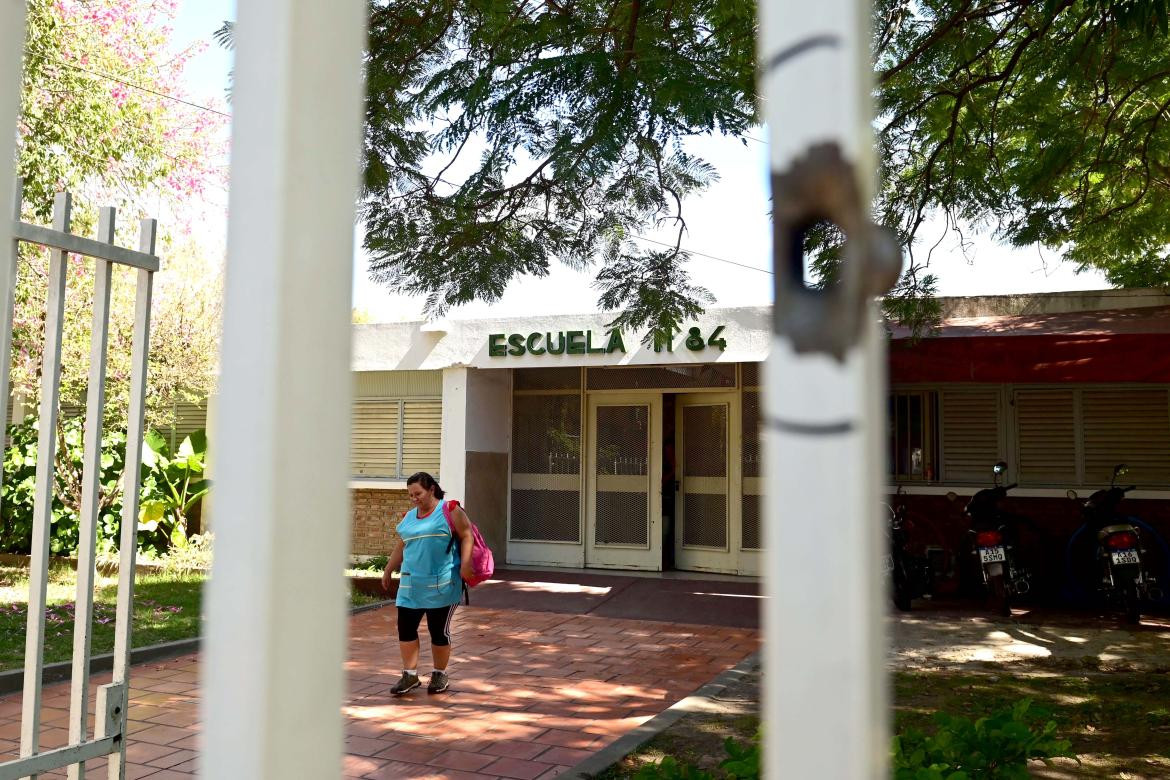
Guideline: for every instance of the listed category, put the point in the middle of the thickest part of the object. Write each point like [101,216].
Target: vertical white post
[276,635]
[131,485]
[90,485]
[38,566]
[824,694]
[11,46]
[8,276]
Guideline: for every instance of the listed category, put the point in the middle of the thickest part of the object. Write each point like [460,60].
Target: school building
[577,447]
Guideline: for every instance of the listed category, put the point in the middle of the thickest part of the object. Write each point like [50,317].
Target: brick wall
[375,515]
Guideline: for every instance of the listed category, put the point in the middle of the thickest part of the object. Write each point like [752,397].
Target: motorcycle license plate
[992,554]
[887,564]
[1125,557]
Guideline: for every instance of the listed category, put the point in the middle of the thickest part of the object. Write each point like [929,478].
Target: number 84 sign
[694,341]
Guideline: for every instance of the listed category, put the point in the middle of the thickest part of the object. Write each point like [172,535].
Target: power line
[228,116]
[132,85]
[704,254]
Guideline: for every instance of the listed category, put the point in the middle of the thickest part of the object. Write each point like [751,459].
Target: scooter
[1124,581]
[910,574]
[995,545]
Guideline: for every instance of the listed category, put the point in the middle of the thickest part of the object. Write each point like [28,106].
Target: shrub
[742,763]
[997,747]
[19,489]
[172,487]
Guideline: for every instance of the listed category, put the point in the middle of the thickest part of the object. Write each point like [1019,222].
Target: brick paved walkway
[531,694]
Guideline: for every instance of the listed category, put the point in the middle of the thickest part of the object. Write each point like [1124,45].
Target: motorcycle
[995,545]
[1120,551]
[910,574]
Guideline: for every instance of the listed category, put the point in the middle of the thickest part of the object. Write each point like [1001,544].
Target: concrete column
[476,445]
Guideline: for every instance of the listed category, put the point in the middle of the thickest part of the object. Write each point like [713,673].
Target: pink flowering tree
[102,115]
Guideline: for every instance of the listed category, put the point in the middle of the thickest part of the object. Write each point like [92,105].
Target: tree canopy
[503,136]
[1044,122]
[98,118]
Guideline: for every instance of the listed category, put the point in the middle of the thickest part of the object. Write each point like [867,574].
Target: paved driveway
[532,692]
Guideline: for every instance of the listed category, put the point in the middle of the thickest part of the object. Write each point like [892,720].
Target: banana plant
[172,486]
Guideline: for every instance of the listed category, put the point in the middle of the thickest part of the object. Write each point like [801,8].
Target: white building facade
[571,444]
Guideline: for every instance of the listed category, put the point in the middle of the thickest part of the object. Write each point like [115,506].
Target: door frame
[727,560]
[648,558]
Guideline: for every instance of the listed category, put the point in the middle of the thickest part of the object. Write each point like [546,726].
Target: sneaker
[407,682]
[439,682]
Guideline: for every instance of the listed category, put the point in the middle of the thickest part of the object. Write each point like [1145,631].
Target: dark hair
[427,482]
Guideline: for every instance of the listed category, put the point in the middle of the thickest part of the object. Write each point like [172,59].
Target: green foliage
[19,489]
[85,129]
[194,556]
[1041,121]
[572,115]
[376,563]
[172,486]
[742,763]
[997,746]
[670,769]
[171,490]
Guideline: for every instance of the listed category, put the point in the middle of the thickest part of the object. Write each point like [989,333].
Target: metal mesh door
[752,450]
[704,475]
[623,476]
[546,468]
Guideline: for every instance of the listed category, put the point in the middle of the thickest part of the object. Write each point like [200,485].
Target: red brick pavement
[532,693]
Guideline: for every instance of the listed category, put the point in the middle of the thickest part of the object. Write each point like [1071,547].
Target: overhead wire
[158,93]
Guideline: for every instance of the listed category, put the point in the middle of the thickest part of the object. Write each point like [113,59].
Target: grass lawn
[166,608]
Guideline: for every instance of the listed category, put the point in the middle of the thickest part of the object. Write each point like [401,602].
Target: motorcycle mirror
[999,468]
[1119,470]
[1072,494]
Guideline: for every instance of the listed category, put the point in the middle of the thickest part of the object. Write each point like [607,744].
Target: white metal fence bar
[38,575]
[108,711]
[273,674]
[90,493]
[7,300]
[80,245]
[128,545]
[111,728]
[55,759]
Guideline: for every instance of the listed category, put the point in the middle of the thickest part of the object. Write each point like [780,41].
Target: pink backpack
[482,563]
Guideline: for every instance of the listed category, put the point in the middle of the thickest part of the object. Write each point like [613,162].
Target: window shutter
[189,418]
[970,434]
[1046,427]
[1127,425]
[421,431]
[374,441]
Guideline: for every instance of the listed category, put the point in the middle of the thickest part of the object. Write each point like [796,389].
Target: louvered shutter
[189,418]
[374,440]
[421,431]
[970,434]
[1046,428]
[1126,425]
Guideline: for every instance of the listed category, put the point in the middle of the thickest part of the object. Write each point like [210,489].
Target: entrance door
[707,446]
[624,506]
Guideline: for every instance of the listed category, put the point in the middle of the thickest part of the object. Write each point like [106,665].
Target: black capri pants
[438,623]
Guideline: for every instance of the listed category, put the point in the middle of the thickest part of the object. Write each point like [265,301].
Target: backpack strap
[448,508]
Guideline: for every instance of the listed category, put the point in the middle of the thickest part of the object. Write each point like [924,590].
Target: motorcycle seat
[1109,530]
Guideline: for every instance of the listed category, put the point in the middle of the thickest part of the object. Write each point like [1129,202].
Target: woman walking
[434,556]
